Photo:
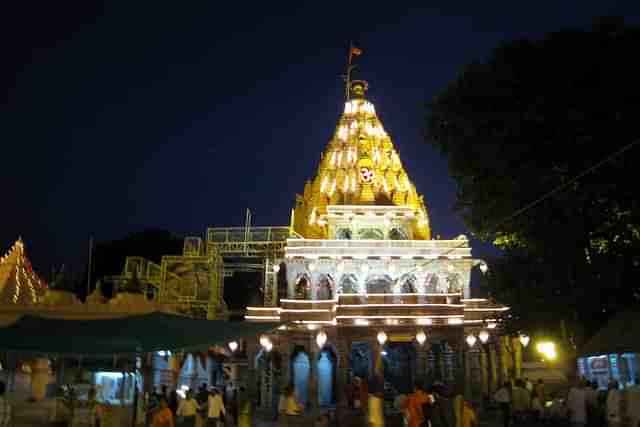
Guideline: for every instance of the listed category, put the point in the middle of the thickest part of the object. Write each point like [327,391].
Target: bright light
[382,337]
[361,322]
[484,268]
[233,346]
[384,353]
[364,268]
[471,340]
[421,337]
[269,346]
[312,327]
[484,336]
[276,268]
[312,266]
[264,340]
[451,268]
[164,353]
[321,339]
[524,340]
[547,349]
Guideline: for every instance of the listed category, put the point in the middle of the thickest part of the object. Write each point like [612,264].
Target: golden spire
[359,166]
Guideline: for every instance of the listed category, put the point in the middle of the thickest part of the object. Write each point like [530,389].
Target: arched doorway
[361,360]
[408,284]
[325,287]
[301,372]
[399,363]
[348,284]
[303,287]
[380,284]
[431,283]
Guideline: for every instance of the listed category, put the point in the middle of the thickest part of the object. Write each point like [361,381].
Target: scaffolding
[238,246]
[191,283]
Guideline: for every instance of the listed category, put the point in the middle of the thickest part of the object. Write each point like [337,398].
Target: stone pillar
[343,347]
[39,378]
[517,348]
[467,375]
[484,372]
[493,374]
[422,356]
[286,376]
[313,381]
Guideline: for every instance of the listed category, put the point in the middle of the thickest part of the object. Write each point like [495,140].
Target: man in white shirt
[5,407]
[633,403]
[577,404]
[188,409]
[216,409]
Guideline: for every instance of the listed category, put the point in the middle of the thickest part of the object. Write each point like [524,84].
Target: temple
[364,289]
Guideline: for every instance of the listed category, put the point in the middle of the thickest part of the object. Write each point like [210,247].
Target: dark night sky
[179,115]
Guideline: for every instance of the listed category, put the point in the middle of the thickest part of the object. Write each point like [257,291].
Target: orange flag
[356,51]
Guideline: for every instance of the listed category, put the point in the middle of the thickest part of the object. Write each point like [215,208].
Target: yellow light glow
[547,349]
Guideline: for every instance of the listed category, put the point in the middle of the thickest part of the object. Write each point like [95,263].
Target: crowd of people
[434,406]
[205,408]
[523,403]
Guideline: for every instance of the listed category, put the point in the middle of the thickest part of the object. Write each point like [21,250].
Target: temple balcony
[362,249]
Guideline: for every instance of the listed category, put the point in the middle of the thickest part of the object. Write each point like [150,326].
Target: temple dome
[359,166]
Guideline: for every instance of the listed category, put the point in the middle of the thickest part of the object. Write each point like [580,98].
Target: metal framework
[237,244]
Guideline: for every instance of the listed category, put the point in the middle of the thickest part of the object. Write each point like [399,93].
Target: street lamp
[484,336]
[233,346]
[321,339]
[471,340]
[524,340]
[421,337]
[382,337]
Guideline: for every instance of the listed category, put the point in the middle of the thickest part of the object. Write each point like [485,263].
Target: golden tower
[359,167]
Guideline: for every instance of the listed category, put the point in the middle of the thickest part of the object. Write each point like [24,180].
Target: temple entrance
[303,285]
[361,360]
[326,378]
[379,284]
[399,366]
[301,372]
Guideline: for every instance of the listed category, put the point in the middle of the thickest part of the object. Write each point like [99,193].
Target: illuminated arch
[302,286]
[325,287]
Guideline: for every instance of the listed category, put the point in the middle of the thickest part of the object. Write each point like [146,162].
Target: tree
[535,115]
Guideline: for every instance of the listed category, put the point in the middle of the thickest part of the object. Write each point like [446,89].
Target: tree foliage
[531,118]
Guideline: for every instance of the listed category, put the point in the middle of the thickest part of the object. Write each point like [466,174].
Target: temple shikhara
[361,284]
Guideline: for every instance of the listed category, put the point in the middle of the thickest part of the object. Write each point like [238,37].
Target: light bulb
[382,337]
[524,340]
[484,336]
[233,346]
[471,340]
[484,268]
[264,340]
[312,266]
[321,339]
[421,337]
[276,268]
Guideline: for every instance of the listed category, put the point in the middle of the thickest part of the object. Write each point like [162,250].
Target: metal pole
[89,267]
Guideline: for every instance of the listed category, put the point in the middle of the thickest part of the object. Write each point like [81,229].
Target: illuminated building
[360,260]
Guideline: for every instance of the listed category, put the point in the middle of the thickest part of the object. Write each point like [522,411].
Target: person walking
[188,409]
[503,398]
[288,407]
[417,407]
[577,405]
[633,403]
[244,408]
[215,409]
[376,402]
[520,403]
[442,414]
[163,417]
[5,407]
[614,405]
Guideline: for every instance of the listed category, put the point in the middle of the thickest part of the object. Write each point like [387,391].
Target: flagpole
[347,88]
[89,268]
